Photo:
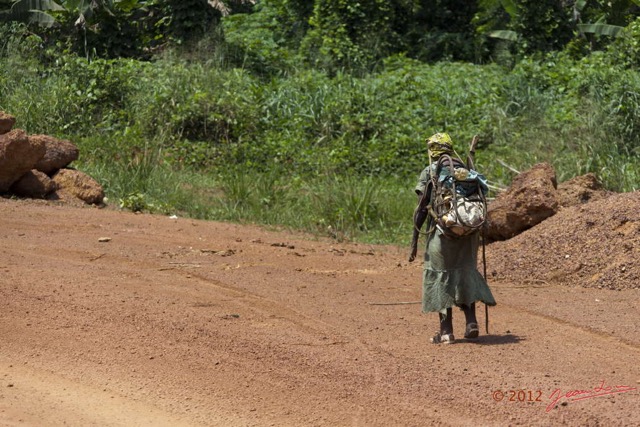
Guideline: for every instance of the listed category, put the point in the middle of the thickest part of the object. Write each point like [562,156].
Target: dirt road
[110,318]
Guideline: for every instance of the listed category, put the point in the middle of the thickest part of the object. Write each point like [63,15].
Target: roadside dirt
[110,318]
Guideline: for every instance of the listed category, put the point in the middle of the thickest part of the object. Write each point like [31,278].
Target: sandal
[439,338]
[472,331]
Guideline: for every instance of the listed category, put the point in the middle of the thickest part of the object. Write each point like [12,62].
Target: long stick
[472,152]
[514,170]
[470,165]
[484,264]
[396,303]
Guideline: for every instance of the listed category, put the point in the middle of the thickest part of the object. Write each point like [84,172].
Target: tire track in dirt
[518,310]
[569,334]
[314,327]
[282,339]
[310,331]
[61,401]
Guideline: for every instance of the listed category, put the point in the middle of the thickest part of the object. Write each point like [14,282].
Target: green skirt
[450,276]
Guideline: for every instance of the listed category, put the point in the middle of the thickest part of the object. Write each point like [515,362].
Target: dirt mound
[581,189]
[529,200]
[593,245]
[37,166]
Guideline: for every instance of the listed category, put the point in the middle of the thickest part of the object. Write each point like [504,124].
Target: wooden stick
[508,167]
[395,303]
[474,142]
[496,188]
[472,152]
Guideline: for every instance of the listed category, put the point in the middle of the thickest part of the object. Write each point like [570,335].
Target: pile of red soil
[593,245]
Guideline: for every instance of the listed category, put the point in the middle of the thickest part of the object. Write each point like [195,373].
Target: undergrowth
[333,155]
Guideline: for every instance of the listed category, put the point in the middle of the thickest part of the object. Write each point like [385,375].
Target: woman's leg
[446,322]
[445,335]
[471,330]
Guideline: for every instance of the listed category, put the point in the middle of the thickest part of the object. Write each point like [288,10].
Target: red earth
[110,318]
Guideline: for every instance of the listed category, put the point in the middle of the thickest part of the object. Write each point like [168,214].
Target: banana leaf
[601,29]
[504,35]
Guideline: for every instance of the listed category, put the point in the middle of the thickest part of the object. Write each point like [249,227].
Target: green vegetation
[291,114]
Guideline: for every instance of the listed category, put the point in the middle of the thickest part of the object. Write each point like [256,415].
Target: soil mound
[529,200]
[37,166]
[580,190]
[593,245]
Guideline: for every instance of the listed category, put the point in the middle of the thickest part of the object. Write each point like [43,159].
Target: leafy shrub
[198,114]
[332,153]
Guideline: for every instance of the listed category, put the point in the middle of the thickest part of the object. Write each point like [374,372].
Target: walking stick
[470,165]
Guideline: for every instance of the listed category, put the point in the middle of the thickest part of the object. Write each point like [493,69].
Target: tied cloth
[439,144]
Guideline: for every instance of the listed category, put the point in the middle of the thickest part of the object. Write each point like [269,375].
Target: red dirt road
[177,322]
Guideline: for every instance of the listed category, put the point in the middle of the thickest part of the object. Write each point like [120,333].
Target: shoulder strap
[451,162]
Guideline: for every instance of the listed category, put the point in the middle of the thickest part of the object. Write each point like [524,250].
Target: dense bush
[335,153]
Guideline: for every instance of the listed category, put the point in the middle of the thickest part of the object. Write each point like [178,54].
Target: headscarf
[439,144]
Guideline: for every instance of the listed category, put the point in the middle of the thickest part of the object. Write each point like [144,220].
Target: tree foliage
[347,34]
[334,35]
[120,28]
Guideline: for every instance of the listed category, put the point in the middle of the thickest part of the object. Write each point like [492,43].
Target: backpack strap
[438,189]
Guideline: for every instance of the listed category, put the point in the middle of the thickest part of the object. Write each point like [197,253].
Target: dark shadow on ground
[494,339]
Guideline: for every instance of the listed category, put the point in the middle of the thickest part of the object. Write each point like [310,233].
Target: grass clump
[335,155]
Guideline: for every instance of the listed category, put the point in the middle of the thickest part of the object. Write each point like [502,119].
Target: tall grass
[335,156]
[372,209]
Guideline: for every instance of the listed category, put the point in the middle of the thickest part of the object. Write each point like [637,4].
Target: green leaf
[601,29]
[41,18]
[504,35]
[34,11]
[580,4]
[510,7]
[83,7]
[23,6]
[127,5]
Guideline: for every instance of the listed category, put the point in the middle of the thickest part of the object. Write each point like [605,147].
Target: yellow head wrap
[439,144]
